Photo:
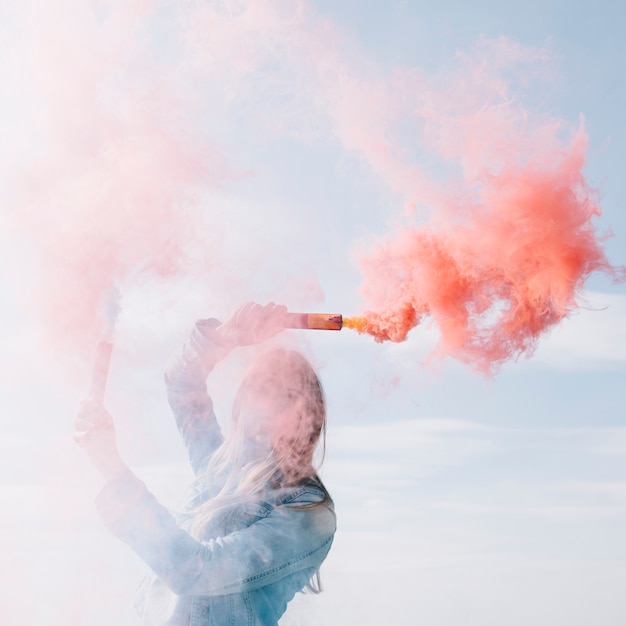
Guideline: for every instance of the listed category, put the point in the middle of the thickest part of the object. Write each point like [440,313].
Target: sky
[198,155]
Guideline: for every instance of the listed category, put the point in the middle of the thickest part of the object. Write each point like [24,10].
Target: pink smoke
[124,131]
[126,154]
[505,271]
[113,189]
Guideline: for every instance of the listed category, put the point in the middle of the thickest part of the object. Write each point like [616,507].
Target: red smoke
[127,101]
[109,190]
[498,277]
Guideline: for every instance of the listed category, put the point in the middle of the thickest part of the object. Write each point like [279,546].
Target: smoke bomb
[100,370]
[315,321]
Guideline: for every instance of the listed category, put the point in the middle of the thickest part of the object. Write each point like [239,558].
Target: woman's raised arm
[209,342]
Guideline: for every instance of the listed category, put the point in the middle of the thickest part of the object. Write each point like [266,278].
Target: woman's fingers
[95,433]
[91,417]
[254,323]
[81,437]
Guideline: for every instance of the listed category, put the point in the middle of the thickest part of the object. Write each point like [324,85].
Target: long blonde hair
[290,382]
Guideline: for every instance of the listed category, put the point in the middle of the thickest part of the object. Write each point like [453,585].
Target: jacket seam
[302,557]
[301,492]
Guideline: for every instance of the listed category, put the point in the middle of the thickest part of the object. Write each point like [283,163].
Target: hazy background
[206,154]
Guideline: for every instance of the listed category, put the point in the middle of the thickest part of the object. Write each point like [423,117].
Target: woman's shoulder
[308,492]
[307,508]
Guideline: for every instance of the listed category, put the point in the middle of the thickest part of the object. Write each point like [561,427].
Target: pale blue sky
[461,500]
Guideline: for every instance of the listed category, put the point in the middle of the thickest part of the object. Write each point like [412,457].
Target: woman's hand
[95,433]
[253,323]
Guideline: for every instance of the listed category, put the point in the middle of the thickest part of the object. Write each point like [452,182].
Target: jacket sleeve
[280,541]
[185,380]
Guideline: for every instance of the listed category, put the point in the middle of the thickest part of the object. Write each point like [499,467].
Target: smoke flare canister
[315,321]
[100,370]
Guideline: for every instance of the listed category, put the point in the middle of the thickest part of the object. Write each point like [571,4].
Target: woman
[259,522]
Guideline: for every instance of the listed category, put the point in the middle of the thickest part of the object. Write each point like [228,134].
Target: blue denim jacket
[243,573]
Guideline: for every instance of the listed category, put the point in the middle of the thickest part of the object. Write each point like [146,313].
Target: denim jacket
[242,573]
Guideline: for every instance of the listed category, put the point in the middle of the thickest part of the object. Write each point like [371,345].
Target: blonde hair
[290,382]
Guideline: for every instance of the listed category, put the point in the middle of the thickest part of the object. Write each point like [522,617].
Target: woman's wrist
[112,467]
[216,339]
[225,338]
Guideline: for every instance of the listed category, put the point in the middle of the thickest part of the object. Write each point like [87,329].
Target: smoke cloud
[137,114]
[140,148]
[508,268]
[506,248]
